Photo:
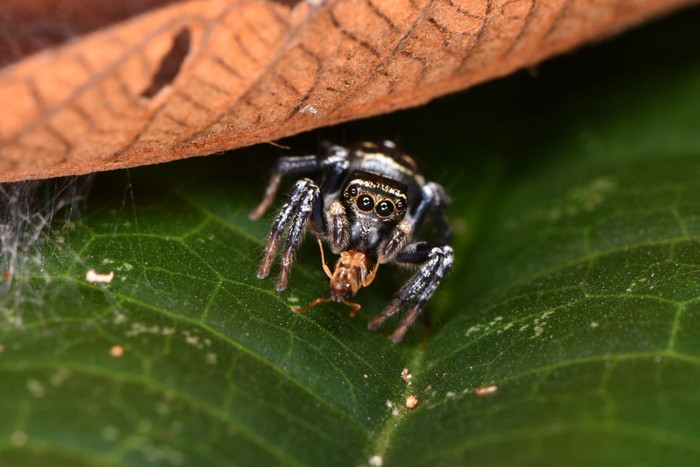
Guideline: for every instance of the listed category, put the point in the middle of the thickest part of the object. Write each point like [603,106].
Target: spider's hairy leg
[434,202]
[441,201]
[291,221]
[337,227]
[284,166]
[435,260]
[394,243]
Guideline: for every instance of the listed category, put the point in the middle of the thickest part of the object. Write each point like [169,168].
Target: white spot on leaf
[93,277]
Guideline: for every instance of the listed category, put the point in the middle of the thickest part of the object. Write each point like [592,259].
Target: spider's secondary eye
[384,208]
[400,204]
[365,203]
[352,191]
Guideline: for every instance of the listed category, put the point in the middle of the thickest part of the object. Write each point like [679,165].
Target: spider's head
[374,200]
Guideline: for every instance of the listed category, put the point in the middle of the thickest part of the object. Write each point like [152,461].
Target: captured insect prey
[366,204]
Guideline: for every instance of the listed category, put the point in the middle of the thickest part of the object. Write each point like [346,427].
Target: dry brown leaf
[152,81]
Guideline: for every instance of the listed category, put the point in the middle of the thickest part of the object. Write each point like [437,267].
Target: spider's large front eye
[365,203]
[384,208]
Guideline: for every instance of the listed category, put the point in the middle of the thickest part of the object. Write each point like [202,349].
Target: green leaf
[575,298]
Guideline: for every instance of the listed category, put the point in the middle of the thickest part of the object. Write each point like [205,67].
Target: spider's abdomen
[390,163]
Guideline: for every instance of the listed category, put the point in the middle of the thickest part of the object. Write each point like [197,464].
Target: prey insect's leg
[370,277]
[326,269]
[354,307]
[284,166]
[291,221]
[436,260]
[306,308]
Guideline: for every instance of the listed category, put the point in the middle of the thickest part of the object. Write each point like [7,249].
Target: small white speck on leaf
[473,329]
[411,402]
[211,358]
[18,438]
[193,340]
[376,461]
[36,388]
[125,267]
[406,376]
[59,377]
[594,324]
[486,390]
[93,277]
[390,405]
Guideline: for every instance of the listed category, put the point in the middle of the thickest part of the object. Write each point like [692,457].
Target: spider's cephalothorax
[367,205]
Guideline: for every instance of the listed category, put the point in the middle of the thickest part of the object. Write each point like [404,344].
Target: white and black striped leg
[394,242]
[290,221]
[434,202]
[436,260]
[284,166]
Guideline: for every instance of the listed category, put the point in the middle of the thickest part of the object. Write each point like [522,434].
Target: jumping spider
[369,204]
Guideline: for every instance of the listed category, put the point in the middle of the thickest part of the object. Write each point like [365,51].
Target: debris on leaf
[92,276]
[390,405]
[485,391]
[116,351]
[376,460]
[411,402]
[406,376]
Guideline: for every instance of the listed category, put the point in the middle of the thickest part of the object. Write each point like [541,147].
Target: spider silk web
[29,211]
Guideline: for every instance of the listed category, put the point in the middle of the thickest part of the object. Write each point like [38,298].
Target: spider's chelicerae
[367,204]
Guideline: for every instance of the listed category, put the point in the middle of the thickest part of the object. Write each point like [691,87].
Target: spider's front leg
[435,260]
[334,162]
[283,166]
[304,198]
